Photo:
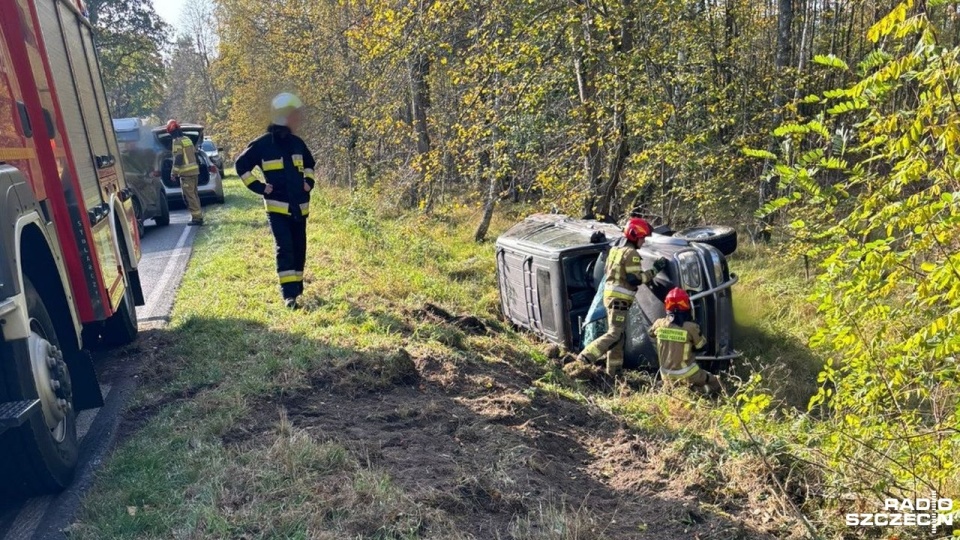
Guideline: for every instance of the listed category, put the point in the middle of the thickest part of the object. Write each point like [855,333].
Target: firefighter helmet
[677,300]
[637,229]
[172,125]
[283,106]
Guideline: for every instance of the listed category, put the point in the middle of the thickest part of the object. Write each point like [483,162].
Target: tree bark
[419,103]
[587,91]
[621,130]
[768,187]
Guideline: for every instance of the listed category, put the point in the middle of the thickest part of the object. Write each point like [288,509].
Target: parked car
[139,151]
[549,268]
[213,151]
[210,183]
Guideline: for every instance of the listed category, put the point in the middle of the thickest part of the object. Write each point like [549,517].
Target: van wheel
[718,236]
[41,455]
[164,218]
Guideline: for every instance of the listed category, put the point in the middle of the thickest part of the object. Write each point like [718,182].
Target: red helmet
[637,229]
[172,125]
[677,300]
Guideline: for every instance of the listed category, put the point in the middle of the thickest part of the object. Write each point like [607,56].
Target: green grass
[212,452]
[231,342]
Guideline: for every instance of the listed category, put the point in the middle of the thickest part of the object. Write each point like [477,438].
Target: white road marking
[168,270]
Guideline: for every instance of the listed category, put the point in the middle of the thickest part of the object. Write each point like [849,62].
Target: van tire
[718,236]
[34,462]
[164,218]
[121,327]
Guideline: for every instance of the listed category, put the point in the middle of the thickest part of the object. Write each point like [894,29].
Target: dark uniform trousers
[290,235]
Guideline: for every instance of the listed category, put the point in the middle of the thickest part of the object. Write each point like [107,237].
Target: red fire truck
[69,247]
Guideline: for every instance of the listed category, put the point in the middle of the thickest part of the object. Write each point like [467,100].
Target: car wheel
[138,214]
[718,236]
[164,218]
[41,455]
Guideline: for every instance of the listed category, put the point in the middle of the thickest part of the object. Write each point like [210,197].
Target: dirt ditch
[477,443]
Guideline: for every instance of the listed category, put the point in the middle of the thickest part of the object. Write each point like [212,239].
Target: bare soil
[475,442]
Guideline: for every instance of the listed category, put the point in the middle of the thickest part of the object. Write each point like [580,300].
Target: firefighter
[623,276]
[677,336]
[287,167]
[186,168]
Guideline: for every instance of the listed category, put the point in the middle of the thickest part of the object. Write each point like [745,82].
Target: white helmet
[283,106]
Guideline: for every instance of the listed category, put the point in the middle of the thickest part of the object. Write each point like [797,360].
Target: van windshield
[208,146]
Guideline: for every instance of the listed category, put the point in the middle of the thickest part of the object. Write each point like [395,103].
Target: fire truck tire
[164,218]
[35,460]
[121,327]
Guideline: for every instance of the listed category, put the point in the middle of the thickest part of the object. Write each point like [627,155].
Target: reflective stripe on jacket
[286,164]
[675,345]
[624,273]
[184,157]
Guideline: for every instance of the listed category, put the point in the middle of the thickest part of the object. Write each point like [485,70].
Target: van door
[76,78]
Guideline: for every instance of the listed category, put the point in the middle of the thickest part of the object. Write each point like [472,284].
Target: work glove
[660,264]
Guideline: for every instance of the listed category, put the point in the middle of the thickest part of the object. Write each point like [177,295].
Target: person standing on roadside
[186,168]
[286,165]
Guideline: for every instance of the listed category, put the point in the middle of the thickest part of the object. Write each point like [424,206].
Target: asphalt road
[165,252]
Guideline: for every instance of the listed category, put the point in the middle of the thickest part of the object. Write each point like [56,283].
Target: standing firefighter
[287,167]
[677,337]
[623,276]
[186,168]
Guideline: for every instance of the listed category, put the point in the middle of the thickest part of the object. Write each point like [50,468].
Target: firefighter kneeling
[677,337]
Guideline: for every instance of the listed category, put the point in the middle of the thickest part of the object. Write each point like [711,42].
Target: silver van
[550,266]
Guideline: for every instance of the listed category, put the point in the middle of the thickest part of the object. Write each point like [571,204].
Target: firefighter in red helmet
[187,169]
[677,337]
[624,275]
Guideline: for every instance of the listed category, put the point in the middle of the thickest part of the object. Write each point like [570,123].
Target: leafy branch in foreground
[875,189]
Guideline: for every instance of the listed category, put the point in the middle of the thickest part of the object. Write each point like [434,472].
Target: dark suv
[549,268]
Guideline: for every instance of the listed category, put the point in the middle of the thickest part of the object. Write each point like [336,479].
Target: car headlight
[690,270]
[717,266]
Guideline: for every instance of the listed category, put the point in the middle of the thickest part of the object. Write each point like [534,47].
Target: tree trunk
[782,62]
[586,87]
[490,201]
[622,144]
[419,102]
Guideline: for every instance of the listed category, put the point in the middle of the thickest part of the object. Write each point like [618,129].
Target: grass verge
[396,406]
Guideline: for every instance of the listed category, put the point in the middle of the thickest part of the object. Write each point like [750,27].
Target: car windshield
[208,146]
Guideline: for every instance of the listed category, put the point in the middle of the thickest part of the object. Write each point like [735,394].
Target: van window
[128,136]
[208,146]
[545,298]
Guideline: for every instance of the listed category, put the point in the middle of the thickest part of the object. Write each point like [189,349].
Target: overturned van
[549,267]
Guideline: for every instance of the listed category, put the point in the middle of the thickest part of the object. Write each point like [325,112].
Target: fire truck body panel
[69,246]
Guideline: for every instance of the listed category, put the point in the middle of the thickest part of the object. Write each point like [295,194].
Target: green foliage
[880,205]
[130,36]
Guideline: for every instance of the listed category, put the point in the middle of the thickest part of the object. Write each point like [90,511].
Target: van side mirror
[219,149]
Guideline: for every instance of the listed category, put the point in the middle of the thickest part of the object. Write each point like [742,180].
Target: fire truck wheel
[40,456]
[121,327]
